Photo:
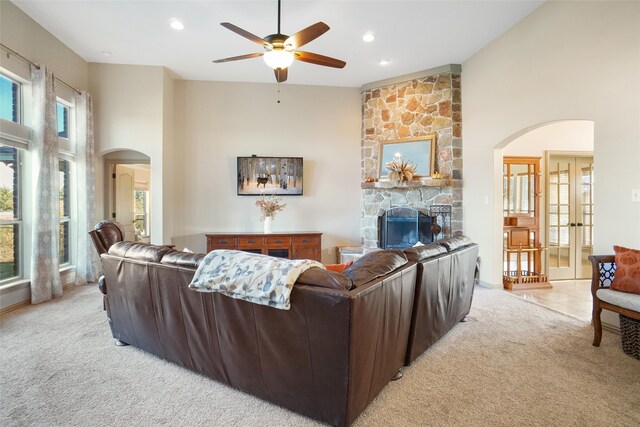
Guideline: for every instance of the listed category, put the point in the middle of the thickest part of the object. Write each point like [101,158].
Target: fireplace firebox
[402,227]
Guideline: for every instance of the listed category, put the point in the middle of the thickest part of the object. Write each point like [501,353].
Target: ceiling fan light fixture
[278,58]
[177,25]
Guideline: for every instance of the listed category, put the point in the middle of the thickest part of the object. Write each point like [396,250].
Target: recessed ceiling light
[384,62]
[368,37]
[177,25]
[106,53]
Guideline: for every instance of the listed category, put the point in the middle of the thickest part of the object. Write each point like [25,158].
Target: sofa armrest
[603,268]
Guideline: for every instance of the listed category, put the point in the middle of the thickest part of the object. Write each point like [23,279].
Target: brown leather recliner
[105,234]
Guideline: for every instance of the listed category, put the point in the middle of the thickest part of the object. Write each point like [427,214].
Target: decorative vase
[268,220]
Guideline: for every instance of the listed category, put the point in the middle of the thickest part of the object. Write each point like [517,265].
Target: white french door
[570,201]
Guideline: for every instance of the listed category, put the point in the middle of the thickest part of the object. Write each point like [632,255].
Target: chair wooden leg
[597,324]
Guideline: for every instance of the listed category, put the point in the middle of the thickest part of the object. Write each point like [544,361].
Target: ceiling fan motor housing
[277,42]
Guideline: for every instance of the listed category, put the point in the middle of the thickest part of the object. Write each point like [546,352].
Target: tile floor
[572,297]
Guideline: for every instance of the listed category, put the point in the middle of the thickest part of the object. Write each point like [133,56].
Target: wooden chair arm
[601,277]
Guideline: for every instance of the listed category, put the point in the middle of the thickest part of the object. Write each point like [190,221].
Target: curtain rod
[11,51]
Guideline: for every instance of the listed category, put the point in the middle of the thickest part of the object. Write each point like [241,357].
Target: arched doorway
[128,193]
[565,150]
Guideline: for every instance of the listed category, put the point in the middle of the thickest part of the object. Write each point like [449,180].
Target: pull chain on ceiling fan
[281,50]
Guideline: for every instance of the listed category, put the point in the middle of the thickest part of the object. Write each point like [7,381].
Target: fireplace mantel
[429,182]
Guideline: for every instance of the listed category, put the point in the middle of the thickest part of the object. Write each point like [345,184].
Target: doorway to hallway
[128,193]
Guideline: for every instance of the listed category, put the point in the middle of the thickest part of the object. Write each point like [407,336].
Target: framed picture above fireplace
[421,151]
[269,175]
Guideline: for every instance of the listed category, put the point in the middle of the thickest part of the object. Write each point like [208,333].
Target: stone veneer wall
[414,108]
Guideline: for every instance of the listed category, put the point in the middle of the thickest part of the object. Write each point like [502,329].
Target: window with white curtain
[15,172]
[13,143]
[63,119]
[10,213]
[10,99]
[65,210]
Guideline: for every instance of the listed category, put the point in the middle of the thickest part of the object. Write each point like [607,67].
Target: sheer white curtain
[86,261]
[45,271]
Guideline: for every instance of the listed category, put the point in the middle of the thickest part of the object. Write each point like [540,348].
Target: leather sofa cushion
[375,264]
[418,253]
[453,243]
[139,251]
[325,279]
[183,259]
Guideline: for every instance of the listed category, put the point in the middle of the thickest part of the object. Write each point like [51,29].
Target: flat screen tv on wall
[269,175]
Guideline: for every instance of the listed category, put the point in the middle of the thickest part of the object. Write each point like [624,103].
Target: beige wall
[129,114]
[24,35]
[168,149]
[569,135]
[567,60]
[217,122]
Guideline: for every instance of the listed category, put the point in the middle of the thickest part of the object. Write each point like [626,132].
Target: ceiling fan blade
[314,58]
[281,74]
[245,34]
[237,58]
[310,33]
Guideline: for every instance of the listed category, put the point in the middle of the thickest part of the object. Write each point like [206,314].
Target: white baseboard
[15,296]
[490,286]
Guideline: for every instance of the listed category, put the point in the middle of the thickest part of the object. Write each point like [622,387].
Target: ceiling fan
[281,50]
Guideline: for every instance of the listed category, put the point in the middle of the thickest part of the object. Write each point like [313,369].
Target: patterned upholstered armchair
[105,234]
[627,305]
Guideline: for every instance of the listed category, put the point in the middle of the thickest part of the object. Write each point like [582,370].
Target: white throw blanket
[260,279]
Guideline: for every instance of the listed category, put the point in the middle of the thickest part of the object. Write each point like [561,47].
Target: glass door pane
[584,169]
[559,202]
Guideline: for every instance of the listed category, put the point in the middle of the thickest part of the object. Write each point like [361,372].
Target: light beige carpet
[513,364]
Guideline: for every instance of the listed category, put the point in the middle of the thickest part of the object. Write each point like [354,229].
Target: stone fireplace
[430,103]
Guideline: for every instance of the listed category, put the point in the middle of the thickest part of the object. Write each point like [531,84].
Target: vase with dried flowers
[401,170]
[269,206]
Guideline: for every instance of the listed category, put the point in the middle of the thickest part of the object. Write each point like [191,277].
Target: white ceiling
[413,35]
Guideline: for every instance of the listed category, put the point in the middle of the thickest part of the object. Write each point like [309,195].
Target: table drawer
[221,243]
[305,241]
[306,253]
[278,242]
[250,242]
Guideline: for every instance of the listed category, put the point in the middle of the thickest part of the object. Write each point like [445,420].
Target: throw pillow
[627,276]
[339,268]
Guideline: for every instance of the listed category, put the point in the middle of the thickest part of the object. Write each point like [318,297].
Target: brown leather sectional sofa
[344,338]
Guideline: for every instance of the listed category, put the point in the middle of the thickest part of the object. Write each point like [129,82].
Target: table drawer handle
[251,241]
[278,241]
[305,240]
[223,242]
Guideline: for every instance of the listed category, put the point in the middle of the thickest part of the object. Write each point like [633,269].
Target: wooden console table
[299,245]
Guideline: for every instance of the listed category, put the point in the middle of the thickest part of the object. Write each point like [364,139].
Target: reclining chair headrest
[104,235]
